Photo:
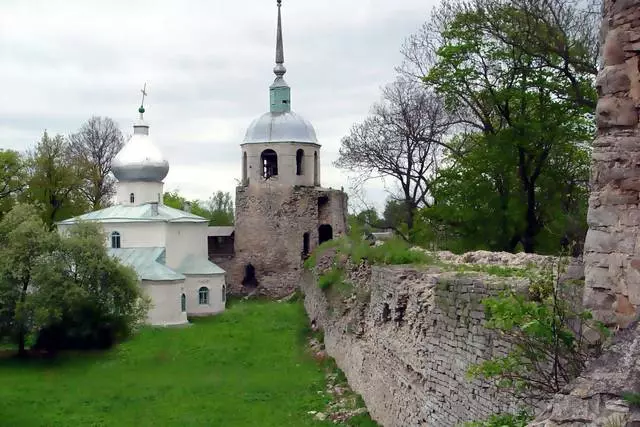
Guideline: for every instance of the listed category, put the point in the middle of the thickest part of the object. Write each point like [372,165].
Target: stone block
[599,241]
[613,111]
[613,79]
[602,216]
[613,49]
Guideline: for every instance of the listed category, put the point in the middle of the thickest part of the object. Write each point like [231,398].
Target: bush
[521,419]
[330,278]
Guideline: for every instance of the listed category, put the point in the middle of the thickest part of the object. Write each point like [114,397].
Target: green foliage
[64,284]
[218,209]
[546,333]
[330,278]
[12,178]
[54,181]
[517,176]
[244,367]
[521,419]
[632,398]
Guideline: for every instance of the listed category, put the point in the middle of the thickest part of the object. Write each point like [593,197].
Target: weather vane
[144,93]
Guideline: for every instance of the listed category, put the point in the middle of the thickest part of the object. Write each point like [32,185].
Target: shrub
[521,419]
[330,278]
[547,337]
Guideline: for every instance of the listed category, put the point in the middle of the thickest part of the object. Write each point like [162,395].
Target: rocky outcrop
[612,254]
[596,397]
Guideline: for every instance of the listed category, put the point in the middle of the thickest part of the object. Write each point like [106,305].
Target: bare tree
[402,139]
[93,148]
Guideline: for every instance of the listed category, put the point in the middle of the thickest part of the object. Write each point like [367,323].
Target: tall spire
[280,93]
[279,69]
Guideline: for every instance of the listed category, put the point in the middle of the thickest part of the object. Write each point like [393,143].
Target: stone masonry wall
[270,223]
[405,341]
[612,248]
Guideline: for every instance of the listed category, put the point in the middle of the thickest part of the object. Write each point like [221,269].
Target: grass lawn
[245,367]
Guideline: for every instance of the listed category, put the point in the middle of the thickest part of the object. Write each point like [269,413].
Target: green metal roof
[147,262]
[139,213]
[193,264]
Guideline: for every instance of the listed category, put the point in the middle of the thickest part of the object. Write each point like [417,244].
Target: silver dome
[280,127]
[140,159]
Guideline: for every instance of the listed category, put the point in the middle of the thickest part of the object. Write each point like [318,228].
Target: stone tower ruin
[612,247]
[282,212]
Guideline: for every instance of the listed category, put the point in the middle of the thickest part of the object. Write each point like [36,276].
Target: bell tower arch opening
[269,160]
[316,179]
[299,161]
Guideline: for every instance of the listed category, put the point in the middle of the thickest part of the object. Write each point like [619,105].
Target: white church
[166,247]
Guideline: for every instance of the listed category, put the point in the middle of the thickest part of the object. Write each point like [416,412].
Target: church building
[166,247]
[282,211]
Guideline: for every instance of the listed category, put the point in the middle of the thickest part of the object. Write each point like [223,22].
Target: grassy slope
[242,368]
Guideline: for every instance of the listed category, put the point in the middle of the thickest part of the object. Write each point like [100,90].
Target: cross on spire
[144,93]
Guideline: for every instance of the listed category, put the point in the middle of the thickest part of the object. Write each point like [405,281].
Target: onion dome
[140,159]
[280,124]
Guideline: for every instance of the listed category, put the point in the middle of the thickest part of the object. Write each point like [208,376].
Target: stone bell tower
[282,212]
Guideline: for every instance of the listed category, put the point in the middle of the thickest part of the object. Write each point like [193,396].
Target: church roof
[147,262]
[138,213]
[193,264]
[220,230]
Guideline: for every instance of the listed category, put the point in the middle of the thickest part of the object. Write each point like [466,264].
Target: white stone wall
[183,239]
[132,235]
[217,299]
[286,152]
[144,192]
[166,302]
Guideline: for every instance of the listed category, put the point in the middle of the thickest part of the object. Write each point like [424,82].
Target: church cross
[144,93]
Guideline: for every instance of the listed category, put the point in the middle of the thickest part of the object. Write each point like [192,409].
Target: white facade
[139,192]
[167,247]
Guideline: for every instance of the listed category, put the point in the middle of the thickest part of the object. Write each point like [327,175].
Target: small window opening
[269,160]
[224,293]
[203,295]
[250,280]
[316,178]
[244,168]
[305,246]
[183,303]
[325,233]
[115,240]
[132,198]
[299,161]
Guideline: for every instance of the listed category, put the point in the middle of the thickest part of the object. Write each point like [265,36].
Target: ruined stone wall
[405,341]
[269,227]
[612,250]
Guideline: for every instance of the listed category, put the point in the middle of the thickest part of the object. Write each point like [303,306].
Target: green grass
[245,367]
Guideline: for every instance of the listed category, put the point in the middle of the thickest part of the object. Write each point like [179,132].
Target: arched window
[299,161]
[316,179]
[203,295]
[244,168]
[269,160]
[115,240]
[224,293]
[183,303]
[132,198]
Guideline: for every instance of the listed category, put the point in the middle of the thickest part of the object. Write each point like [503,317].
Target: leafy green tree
[221,208]
[525,118]
[24,243]
[54,181]
[12,178]
[87,298]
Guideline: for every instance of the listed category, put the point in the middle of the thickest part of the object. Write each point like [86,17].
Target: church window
[183,303]
[203,295]
[299,161]
[132,198]
[115,240]
[269,160]
[224,293]
[244,168]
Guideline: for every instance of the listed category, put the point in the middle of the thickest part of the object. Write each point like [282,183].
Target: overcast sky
[208,65]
